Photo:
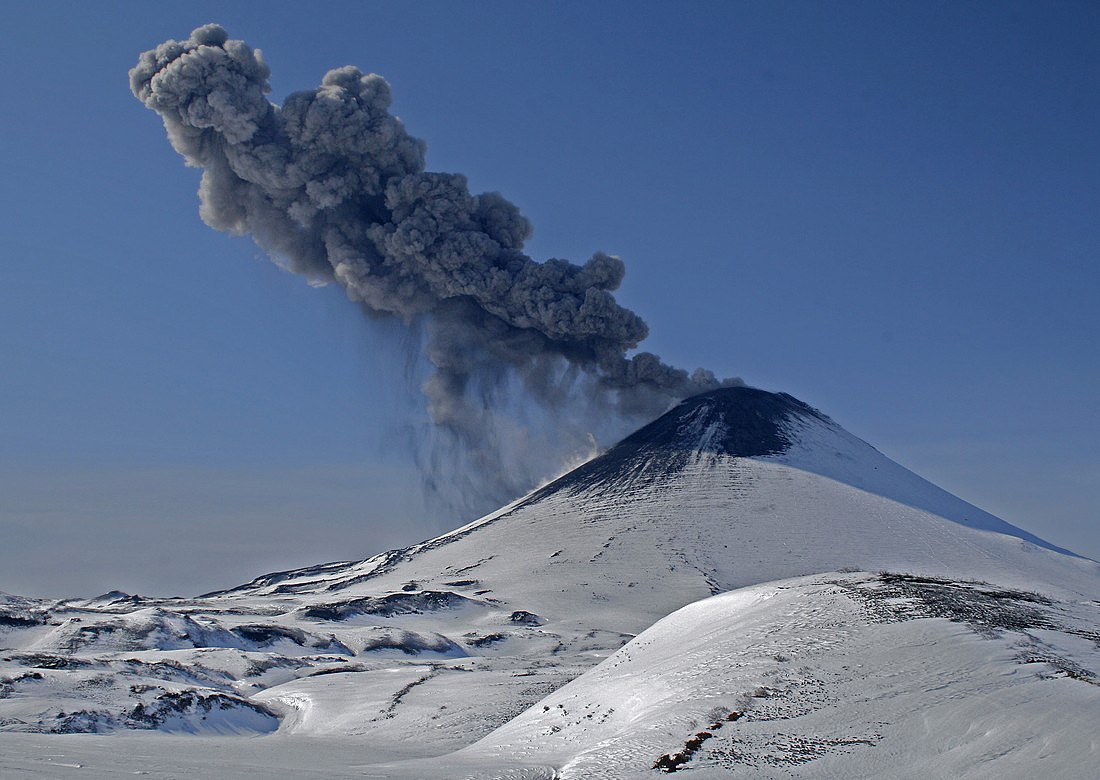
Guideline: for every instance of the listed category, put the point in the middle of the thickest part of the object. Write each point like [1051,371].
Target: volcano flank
[741,584]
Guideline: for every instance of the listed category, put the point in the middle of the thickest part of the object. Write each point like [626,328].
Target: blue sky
[887,210]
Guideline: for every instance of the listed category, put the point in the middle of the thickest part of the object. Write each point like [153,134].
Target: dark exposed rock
[526,618]
[191,702]
[389,605]
[737,421]
[485,641]
[267,634]
[22,617]
[411,643]
[48,661]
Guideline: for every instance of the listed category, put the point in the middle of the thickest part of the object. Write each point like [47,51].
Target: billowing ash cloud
[332,186]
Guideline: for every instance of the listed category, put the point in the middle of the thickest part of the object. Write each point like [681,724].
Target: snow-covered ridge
[687,450]
[802,678]
[452,638]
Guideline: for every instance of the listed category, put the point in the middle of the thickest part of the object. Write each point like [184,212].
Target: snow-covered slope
[730,488]
[433,647]
[842,675]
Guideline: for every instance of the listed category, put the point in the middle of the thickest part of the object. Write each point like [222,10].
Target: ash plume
[332,186]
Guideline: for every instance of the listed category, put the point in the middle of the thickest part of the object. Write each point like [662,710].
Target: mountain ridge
[450,639]
[727,423]
[734,421]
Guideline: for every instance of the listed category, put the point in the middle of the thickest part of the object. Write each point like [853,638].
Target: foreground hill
[425,650]
[843,675]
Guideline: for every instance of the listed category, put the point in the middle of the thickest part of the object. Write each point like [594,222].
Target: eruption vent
[332,186]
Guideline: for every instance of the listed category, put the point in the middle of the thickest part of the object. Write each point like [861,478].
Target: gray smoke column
[332,186]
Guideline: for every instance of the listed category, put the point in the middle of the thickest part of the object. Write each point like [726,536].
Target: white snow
[504,640]
[821,688]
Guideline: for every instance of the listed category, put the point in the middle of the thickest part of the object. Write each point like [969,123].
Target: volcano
[741,584]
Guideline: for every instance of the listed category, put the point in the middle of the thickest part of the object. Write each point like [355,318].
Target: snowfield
[740,587]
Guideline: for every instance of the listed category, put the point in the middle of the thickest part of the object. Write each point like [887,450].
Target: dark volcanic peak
[739,421]
[736,421]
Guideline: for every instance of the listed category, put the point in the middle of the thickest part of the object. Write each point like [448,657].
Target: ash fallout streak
[331,186]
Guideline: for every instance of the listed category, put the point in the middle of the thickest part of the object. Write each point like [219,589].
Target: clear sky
[888,210]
